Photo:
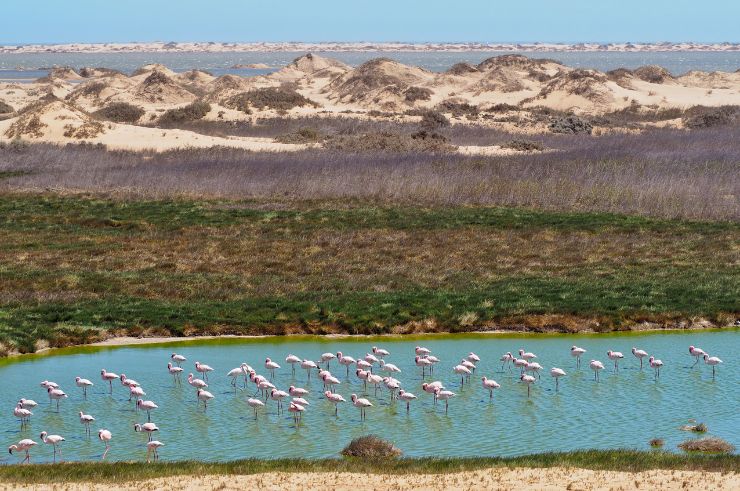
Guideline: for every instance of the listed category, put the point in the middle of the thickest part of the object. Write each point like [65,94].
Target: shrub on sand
[192,112]
[371,447]
[302,136]
[120,112]
[432,120]
[523,145]
[5,108]
[278,98]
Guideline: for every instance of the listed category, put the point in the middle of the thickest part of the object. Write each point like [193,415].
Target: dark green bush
[432,120]
[414,94]
[571,125]
[192,112]
[120,112]
[278,98]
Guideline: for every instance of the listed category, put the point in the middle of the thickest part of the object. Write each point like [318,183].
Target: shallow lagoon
[624,410]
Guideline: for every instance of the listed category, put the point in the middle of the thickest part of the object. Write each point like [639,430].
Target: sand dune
[380,85]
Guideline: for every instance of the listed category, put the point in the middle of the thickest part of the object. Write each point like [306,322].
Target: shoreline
[224,47]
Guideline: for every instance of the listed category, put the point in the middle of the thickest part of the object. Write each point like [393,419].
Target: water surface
[624,410]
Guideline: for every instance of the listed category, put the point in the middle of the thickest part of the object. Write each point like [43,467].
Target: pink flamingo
[596,365]
[54,441]
[713,361]
[432,361]
[135,392]
[23,414]
[147,428]
[534,367]
[86,420]
[527,356]
[392,385]
[520,363]
[362,404]
[24,445]
[527,379]
[57,395]
[389,367]
[327,358]
[431,388]
[205,396]
[272,366]
[556,373]
[178,359]
[347,361]
[308,365]
[297,411]
[292,359]
[203,370]
[330,381]
[297,391]
[108,377]
[490,385]
[380,352]
[153,447]
[278,396]
[147,406]
[362,375]
[255,404]
[375,380]
[421,351]
[84,384]
[576,352]
[175,372]
[423,363]
[506,359]
[27,403]
[407,397]
[463,371]
[444,395]
[105,436]
[334,399]
[615,356]
[128,382]
[639,354]
[697,353]
[196,382]
[655,365]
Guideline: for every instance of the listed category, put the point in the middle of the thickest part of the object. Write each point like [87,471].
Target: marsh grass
[616,460]
[710,444]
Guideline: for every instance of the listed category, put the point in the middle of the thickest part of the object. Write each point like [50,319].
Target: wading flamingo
[505,360]
[23,414]
[490,385]
[205,396]
[147,428]
[57,395]
[713,361]
[178,359]
[521,364]
[335,399]
[444,395]
[308,365]
[147,406]
[292,359]
[596,366]
[105,436]
[615,356]
[556,373]
[361,403]
[421,351]
[175,372]
[129,382]
[576,352]
[108,377]
[376,380]
[255,404]
[297,411]
[196,382]
[54,441]
[432,361]
[84,384]
[27,403]
[527,379]
[423,363]
[534,367]
[86,420]
[327,358]
[697,353]
[135,393]
[272,366]
[203,370]
[278,396]
[297,391]
[389,367]
[347,361]
[380,352]
[639,354]
[527,355]
[152,447]
[24,445]
[463,371]
[407,397]
[655,365]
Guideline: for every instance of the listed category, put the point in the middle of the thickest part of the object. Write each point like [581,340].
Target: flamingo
[330,381]
[234,373]
[534,367]
[292,359]
[86,420]
[135,392]
[556,373]
[655,365]
[108,377]
[327,358]
[153,447]
[105,436]
[205,396]
[128,382]
[371,359]
[297,391]
[263,386]
[57,395]
[255,404]
[46,384]
[444,395]
[364,365]
[392,385]
[463,371]
[147,406]
[380,352]
[272,366]
[407,397]
[24,445]
[301,401]
[178,359]
[490,385]
[196,382]
[297,411]
[472,358]
[713,361]
[432,361]
[423,363]
[23,414]
[468,364]
[527,379]
[203,369]
[84,384]
[361,403]
[28,403]
[389,367]
[596,365]
[431,388]
[527,355]
[308,365]
[175,372]
[639,354]
[506,359]
[148,428]
[615,356]
[421,351]
[576,352]
[334,399]
[345,360]
[520,363]
[278,396]
[697,353]
[376,380]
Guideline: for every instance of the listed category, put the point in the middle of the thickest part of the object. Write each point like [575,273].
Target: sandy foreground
[496,478]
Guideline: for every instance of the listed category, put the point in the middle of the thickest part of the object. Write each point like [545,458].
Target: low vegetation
[613,460]
[5,108]
[523,145]
[709,444]
[420,142]
[371,447]
[192,112]
[277,98]
[120,112]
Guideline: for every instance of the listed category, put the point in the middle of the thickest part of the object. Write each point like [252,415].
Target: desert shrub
[371,447]
[414,94]
[91,89]
[502,107]
[708,444]
[302,136]
[462,68]
[278,98]
[656,442]
[5,108]
[192,112]
[120,112]
[653,73]
[523,145]
[571,125]
[420,142]
[432,120]
[16,145]
[90,129]
[699,117]
[458,109]
[156,77]
[88,72]
[618,73]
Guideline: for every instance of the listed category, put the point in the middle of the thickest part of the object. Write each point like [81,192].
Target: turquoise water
[623,410]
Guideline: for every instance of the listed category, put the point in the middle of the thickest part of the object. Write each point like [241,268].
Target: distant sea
[29,66]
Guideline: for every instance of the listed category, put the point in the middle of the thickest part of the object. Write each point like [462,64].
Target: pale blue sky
[58,21]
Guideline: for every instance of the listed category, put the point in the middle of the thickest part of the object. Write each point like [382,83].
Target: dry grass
[708,444]
[371,447]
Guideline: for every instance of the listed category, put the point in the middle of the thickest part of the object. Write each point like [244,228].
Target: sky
[62,21]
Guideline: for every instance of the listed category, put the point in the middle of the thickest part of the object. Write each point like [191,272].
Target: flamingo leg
[447,403]
[528,387]
[556,384]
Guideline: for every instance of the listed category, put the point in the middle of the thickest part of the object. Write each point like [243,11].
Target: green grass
[613,460]
[72,267]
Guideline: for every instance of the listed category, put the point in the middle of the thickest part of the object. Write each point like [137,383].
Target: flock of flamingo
[296,397]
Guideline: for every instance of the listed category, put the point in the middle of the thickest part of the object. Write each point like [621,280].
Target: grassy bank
[72,267]
[613,460]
